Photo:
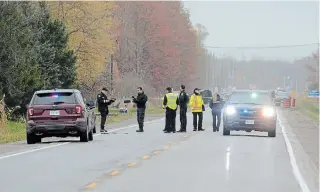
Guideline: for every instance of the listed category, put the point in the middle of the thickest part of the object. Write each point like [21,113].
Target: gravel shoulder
[303,133]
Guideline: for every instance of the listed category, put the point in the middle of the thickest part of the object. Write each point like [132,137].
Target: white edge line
[57,145]
[296,171]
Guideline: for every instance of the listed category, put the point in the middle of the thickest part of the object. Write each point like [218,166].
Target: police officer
[103,103]
[183,102]
[197,108]
[170,103]
[216,107]
[140,101]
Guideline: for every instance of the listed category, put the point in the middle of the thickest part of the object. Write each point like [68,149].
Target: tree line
[46,45]
[89,45]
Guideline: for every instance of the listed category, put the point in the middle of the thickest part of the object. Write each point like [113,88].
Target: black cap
[105,89]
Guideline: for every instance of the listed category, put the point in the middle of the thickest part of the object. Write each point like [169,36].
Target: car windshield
[283,94]
[55,98]
[257,98]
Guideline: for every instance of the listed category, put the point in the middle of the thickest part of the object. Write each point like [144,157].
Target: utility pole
[111,73]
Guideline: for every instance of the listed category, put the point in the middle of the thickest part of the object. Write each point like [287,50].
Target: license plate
[54,112]
[249,122]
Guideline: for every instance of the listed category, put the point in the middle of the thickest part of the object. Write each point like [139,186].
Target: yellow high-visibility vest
[196,103]
[172,101]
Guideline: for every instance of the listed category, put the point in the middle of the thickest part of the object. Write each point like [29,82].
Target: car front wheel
[272,133]
[225,131]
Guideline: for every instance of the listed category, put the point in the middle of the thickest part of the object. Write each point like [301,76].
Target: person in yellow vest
[197,108]
[170,103]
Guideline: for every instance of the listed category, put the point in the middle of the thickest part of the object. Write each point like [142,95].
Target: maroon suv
[60,113]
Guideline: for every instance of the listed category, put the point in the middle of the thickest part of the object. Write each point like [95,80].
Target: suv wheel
[272,133]
[33,139]
[84,136]
[225,131]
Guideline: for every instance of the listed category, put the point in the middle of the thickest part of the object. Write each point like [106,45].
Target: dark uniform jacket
[141,100]
[183,99]
[102,101]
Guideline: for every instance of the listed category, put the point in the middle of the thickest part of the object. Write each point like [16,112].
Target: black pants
[170,120]
[183,118]
[104,115]
[140,117]
[216,116]
[199,124]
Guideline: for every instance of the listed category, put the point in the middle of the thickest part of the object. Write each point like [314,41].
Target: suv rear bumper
[63,129]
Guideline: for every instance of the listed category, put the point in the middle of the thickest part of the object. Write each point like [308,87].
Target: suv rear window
[54,98]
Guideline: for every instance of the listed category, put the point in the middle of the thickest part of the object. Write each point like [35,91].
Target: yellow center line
[114,173]
[91,185]
[146,157]
[132,164]
[155,152]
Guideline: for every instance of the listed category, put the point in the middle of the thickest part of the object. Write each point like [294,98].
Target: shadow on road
[246,135]
[60,141]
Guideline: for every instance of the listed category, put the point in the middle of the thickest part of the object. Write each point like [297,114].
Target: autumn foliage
[156,42]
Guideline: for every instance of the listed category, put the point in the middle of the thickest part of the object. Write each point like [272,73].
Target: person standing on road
[183,102]
[197,108]
[103,103]
[170,103]
[216,107]
[140,101]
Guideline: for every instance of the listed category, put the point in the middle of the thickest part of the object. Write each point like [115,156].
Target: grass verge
[309,108]
[12,131]
[16,131]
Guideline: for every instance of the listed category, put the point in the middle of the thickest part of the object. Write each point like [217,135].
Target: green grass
[307,107]
[16,131]
[12,131]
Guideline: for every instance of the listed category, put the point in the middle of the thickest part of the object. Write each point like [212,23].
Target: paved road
[126,161]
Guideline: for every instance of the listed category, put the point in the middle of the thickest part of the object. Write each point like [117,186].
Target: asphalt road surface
[126,161]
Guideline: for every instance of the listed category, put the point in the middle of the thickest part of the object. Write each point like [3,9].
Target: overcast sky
[258,23]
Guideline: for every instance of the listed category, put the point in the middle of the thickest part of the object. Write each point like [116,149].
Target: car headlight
[230,110]
[268,112]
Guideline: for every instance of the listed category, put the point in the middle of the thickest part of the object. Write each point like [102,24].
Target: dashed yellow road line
[155,152]
[114,173]
[146,157]
[132,164]
[91,185]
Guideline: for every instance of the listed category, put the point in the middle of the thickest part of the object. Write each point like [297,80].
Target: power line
[264,47]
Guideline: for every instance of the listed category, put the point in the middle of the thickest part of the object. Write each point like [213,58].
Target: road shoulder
[303,135]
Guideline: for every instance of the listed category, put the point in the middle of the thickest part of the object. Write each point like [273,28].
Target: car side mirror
[127,101]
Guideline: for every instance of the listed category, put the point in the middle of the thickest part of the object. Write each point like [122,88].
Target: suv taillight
[78,109]
[30,111]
